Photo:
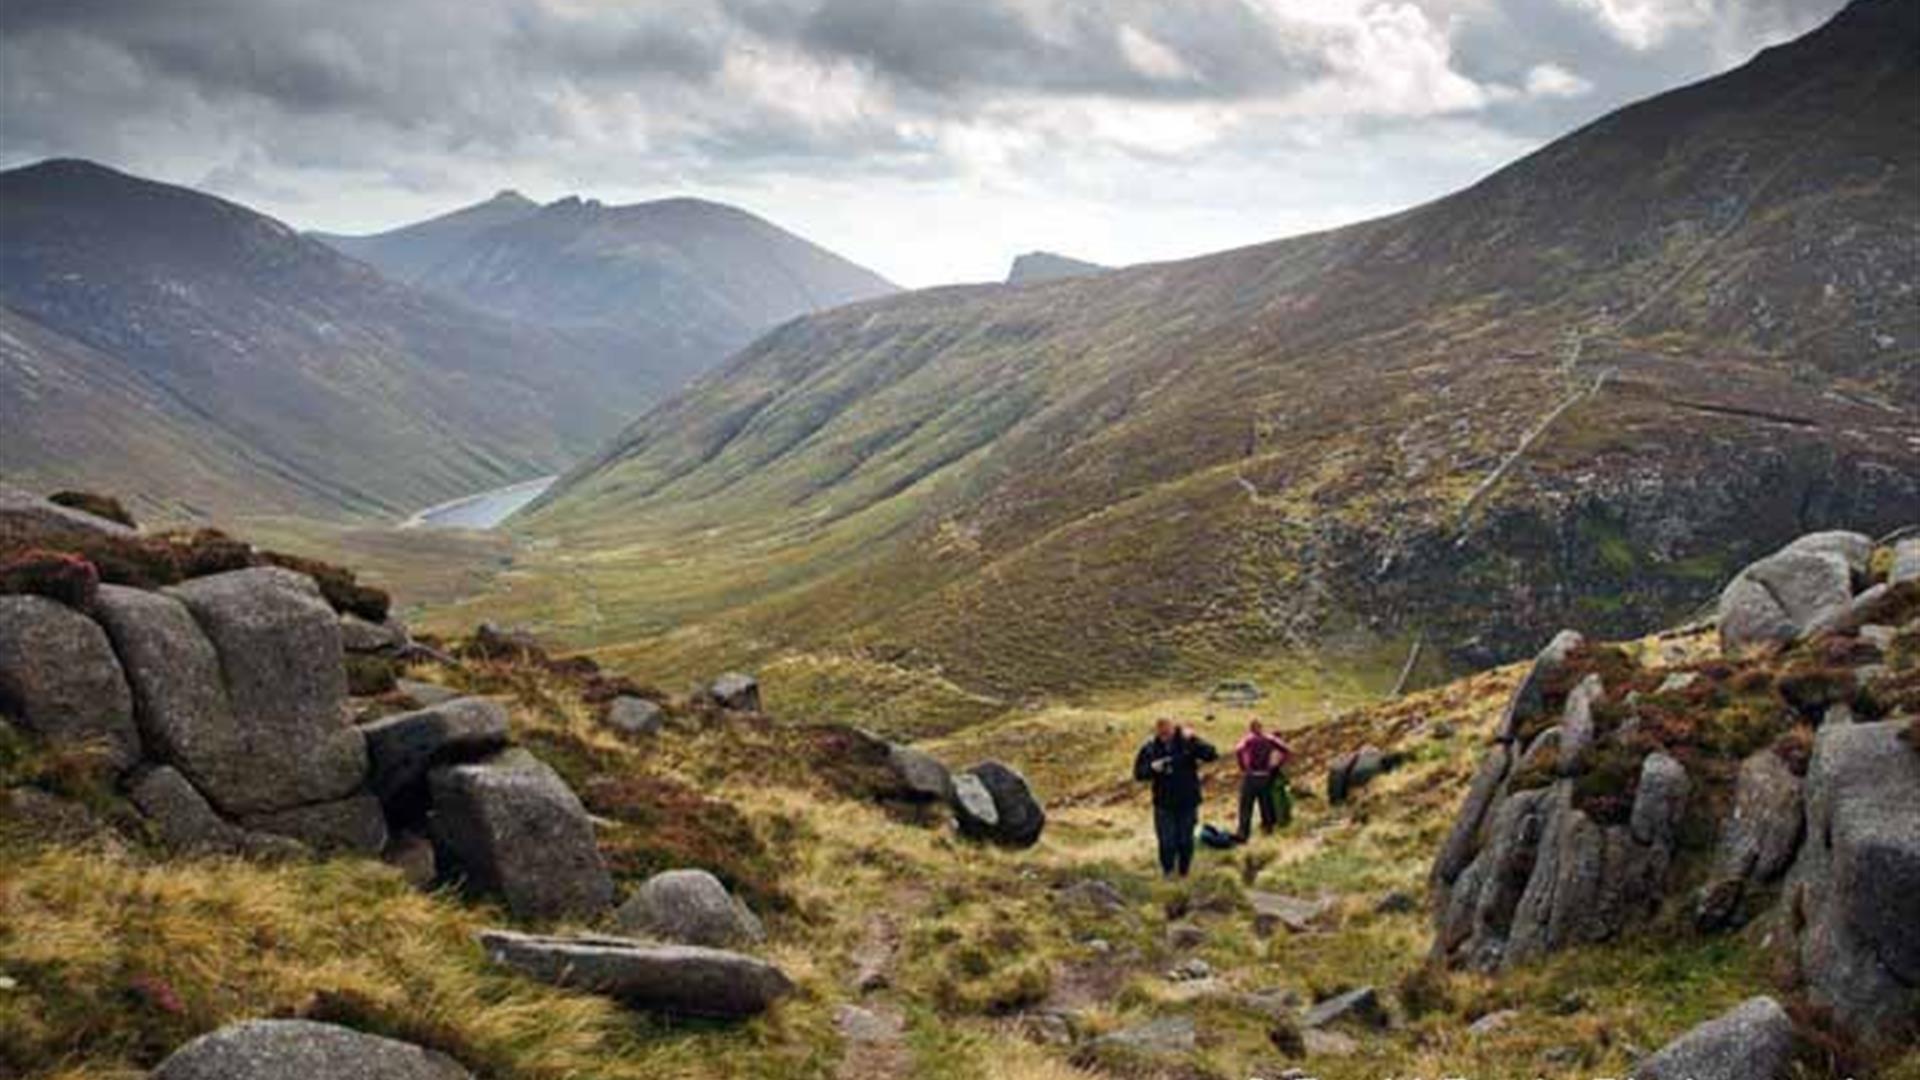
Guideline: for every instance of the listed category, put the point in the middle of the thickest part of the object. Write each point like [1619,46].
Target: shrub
[338,584]
[100,506]
[69,579]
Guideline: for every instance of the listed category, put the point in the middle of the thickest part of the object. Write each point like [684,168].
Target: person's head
[1163,729]
[1256,727]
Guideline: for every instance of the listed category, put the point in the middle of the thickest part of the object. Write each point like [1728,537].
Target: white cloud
[1554,81]
[1644,24]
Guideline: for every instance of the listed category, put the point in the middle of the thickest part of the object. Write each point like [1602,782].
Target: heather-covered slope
[209,360]
[671,286]
[1579,391]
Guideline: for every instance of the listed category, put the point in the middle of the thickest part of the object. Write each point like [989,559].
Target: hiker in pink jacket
[1261,757]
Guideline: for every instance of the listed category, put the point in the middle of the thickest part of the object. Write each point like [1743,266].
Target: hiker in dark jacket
[1172,760]
[1262,784]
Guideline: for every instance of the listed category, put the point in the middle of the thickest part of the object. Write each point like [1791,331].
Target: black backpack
[1217,838]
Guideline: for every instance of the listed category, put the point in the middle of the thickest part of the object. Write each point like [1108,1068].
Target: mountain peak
[510,197]
[1037,266]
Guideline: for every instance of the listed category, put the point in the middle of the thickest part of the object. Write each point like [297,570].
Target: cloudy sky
[929,139]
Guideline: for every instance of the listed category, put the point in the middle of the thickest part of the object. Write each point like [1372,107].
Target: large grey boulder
[353,824]
[1856,877]
[1017,818]
[510,826]
[59,679]
[682,980]
[1529,701]
[1754,1041]
[185,824]
[1773,601]
[737,692]
[402,748]
[25,514]
[303,1050]
[691,907]
[179,694]
[1853,547]
[279,647]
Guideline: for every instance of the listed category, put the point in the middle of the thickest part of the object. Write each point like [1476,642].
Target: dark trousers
[1270,794]
[1173,826]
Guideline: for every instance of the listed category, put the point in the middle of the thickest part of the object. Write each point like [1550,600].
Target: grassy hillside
[1582,390]
[115,954]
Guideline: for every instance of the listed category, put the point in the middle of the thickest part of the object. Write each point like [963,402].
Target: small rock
[1397,902]
[426,694]
[1192,969]
[922,777]
[1095,894]
[635,716]
[1017,815]
[1273,910]
[1360,1006]
[1185,935]
[1493,1022]
[1047,1028]
[691,907]
[1168,1035]
[1906,561]
[736,692]
[357,635]
[303,1050]
[1678,681]
[1320,1043]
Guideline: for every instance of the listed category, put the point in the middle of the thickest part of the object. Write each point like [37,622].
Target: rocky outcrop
[1852,889]
[691,907]
[303,1050]
[1527,871]
[1754,1041]
[24,513]
[509,826]
[681,980]
[993,802]
[60,679]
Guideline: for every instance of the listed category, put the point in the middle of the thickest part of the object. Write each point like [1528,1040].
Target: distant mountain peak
[1049,266]
[510,197]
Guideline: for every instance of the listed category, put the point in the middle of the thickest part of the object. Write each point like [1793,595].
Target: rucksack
[1215,837]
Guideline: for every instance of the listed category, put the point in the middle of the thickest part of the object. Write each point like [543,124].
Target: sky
[931,140]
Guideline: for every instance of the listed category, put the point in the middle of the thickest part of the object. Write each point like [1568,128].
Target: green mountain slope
[203,359]
[1576,391]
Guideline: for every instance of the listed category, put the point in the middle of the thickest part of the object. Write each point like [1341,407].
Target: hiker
[1171,760]
[1261,757]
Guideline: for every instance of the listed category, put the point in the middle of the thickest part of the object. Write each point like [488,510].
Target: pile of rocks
[1571,823]
[221,707]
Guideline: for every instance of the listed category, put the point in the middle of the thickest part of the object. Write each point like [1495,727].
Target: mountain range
[673,285]
[208,360]
[1577,391]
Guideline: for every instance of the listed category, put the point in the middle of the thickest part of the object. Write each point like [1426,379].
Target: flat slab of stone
[427,694]
[279,647]
[635,716]
[682,980]
[59,678]
[509,826]
[1165,1036]
[1360,1006]
[303,1050]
